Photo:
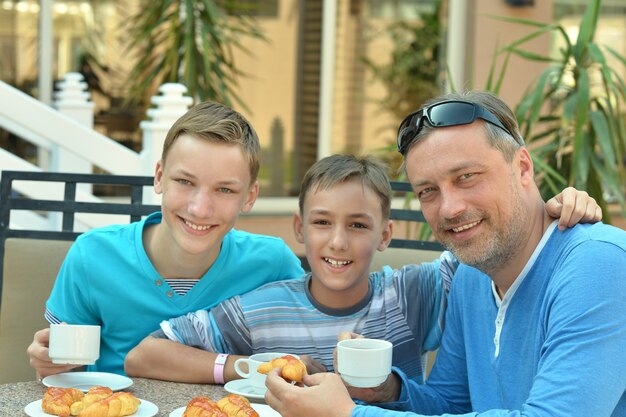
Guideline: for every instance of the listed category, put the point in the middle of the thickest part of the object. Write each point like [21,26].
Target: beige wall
[268,88]
[487,32]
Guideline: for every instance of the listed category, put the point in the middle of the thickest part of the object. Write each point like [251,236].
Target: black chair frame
[10,201]
[410,215]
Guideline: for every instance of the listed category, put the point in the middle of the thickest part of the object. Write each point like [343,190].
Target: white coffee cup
[364,363]
[256,379]
[74,344]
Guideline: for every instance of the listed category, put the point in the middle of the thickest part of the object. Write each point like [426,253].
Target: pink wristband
[218,369]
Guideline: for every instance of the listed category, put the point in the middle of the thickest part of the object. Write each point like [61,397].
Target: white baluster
[170,105]
[72,100]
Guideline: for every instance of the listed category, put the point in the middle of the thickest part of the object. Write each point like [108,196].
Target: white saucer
[146,409]
[262,409]
[242,387]
[85,380]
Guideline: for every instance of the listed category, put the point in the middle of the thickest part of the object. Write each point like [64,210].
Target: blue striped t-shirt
[404,306]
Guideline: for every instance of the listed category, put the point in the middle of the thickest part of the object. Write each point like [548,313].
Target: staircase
[67,142]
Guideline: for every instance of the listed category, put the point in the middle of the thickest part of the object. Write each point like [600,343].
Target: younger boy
[343,219]
[129,278]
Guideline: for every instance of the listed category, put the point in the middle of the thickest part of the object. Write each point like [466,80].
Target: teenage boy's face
[204,185]
[341,229]
[470,195]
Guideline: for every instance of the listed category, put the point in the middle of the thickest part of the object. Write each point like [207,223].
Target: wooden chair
[30,259]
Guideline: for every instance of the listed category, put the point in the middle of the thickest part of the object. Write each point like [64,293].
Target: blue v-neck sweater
[554,346]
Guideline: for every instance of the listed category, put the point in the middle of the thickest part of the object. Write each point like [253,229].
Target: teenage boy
[129,278]
[343,220]
[536,320]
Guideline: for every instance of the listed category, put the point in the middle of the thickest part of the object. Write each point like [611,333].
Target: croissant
[293,369]
[236,406]
[203,407]
[94,394]
[117,405]
[57,401]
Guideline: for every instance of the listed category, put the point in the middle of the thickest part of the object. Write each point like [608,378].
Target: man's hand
[572,206]
[39,358]
[323,395]
[388,391]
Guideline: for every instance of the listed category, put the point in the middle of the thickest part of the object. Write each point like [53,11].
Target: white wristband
[218,368]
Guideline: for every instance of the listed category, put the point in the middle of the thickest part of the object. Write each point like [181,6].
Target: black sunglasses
[444,114]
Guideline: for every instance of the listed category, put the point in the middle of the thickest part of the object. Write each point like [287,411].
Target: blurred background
[317,77]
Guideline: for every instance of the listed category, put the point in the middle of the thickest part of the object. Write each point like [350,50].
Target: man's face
[204,185]
[341,227]
[470,195]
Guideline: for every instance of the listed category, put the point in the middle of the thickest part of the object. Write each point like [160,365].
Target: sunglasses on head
[444,114]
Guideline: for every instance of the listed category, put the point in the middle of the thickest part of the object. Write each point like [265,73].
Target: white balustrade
[170,105]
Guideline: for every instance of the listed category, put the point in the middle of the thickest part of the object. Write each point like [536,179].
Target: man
[536,322]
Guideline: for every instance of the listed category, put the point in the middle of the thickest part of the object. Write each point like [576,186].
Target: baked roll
[58,401]
[292,369]
[94,394]
[236,406]
[117,405]
[203,407]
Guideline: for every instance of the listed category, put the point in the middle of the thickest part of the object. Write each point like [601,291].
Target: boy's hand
[572,206]
[340,337]
[39,358]
[385,392]
[312,366]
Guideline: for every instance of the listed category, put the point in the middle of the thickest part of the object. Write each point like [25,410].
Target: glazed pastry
[94,394]
[57,401]
[203,407]
[292,369]
[117,405]
[236,406]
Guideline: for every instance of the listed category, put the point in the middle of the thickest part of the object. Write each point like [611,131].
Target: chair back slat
[413,218]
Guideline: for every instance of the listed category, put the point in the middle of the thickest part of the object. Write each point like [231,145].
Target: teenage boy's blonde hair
[217,123]
[337,169]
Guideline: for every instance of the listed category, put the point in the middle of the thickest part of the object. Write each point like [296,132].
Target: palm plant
[573,116]
[190,42]
[413,75]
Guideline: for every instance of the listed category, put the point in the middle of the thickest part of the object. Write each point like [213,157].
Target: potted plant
[190,42]
[572,117]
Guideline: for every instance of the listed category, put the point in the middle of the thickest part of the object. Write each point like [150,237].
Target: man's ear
[526,166]
[386,236]
[253,193]
[297,227]
[158,177]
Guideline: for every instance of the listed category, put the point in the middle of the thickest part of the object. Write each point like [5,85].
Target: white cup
[74,344]
[364,363]
[256,379]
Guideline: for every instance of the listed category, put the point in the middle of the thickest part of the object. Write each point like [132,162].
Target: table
[168,396]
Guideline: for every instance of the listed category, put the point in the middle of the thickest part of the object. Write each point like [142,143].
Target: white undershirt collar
[503,303]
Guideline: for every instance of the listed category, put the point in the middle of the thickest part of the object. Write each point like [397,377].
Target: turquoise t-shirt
[108,279]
